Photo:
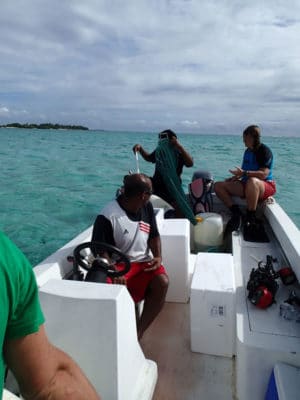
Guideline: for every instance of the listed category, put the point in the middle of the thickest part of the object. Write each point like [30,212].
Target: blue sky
[145,65]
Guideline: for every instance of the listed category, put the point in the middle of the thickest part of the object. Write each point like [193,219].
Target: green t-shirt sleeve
[25,314]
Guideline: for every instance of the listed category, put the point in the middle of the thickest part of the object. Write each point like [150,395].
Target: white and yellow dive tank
[208,233]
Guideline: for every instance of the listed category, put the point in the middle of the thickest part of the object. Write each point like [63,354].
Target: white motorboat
[209,342]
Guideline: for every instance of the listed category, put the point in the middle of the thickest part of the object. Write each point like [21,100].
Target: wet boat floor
[183,374]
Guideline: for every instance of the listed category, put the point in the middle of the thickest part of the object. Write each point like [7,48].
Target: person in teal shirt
[182,158]
[42,370]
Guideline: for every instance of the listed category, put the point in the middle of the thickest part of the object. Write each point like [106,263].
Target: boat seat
[175,243]
[212,305]
[95,323]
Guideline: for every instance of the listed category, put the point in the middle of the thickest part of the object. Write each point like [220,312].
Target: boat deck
[182,374]
[261,336]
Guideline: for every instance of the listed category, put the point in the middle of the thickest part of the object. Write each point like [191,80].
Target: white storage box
[284,383]
[212,305]
[175,245]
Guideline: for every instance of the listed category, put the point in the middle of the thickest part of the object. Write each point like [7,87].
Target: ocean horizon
[149,132]
[54,182]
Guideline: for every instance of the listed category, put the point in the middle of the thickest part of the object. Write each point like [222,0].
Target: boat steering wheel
[94,260]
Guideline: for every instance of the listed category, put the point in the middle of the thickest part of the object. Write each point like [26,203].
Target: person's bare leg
[137,313]
[153,302]
[226,189]
[254,191]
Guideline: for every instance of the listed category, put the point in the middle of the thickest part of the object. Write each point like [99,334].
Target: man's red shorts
[138,279]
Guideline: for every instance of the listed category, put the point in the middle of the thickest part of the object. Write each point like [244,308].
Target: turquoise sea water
[53,183]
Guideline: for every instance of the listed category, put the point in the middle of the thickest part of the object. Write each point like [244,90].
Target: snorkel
[137,162]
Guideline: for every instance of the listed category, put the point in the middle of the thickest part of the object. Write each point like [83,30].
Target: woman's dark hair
[254,132]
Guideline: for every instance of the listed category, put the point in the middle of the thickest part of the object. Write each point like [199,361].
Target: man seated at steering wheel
[129,223]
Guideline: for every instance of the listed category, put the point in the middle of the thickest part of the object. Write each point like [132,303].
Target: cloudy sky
[203,66]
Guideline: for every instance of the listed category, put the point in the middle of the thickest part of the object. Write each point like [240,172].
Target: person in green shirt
[42,370]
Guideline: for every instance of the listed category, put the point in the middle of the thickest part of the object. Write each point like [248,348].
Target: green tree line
[43,126]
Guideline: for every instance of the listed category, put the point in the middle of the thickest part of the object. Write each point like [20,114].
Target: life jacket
[200,192]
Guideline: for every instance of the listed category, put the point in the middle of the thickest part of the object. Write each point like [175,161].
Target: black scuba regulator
[262,284]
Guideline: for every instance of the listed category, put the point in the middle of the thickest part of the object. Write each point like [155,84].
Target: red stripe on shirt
[144,227]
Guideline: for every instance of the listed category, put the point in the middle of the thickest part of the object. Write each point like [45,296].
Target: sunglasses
[163,136]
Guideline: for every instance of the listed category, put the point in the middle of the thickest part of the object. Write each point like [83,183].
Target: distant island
[44,126]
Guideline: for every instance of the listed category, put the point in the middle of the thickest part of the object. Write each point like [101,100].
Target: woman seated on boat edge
[129,224]
[183,158]
[252,181]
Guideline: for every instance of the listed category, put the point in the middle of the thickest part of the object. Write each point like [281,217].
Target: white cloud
[114,64]
[4,110]
[190,123]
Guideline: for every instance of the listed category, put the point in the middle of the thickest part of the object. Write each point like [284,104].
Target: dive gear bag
[200,192]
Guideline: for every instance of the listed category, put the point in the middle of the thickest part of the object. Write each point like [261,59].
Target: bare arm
[143,152]
[155,247]
[187,158]
[261,173]
[45,372]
